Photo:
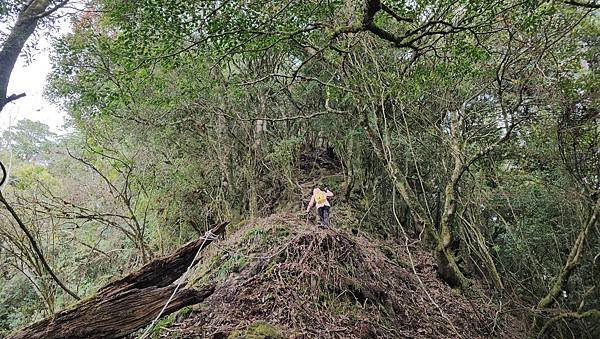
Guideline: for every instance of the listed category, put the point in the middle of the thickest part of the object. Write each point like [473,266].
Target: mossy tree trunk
[448,269]
[573,261]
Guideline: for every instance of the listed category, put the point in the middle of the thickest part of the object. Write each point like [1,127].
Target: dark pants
[323,213]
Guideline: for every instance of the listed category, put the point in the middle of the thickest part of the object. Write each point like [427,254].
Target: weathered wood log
[113,317]
[162,271]
[128,304]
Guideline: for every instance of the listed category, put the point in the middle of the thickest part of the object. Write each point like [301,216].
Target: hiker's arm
[329,193]
[311,203]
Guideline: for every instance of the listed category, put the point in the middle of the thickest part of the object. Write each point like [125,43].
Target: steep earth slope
[284,277]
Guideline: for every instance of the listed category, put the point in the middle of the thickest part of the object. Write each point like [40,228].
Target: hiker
[320,199]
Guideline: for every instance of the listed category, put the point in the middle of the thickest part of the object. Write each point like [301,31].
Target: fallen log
[114,317]
[162,271]
[128,304]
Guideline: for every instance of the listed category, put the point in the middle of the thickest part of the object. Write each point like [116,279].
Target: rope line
[209,235]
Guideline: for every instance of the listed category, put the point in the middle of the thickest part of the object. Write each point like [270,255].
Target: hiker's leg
[325,215]
[320,214]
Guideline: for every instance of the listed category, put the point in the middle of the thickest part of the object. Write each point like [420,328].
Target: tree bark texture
[14,43]
[126,305]
[112,317]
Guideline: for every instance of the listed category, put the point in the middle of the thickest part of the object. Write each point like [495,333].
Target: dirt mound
[280,277]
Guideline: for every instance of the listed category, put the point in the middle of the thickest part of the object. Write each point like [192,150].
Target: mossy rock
[258,330]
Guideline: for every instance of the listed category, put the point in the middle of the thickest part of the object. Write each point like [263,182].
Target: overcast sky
[31,79]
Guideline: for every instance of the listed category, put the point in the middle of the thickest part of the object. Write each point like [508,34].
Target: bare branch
[593,313]
[34,243]
[53,9]
[593,4]
[10,98]
[394,14]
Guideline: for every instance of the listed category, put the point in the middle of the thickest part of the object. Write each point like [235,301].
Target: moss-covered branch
[569,316]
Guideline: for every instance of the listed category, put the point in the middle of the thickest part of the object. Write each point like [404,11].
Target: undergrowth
[311,281]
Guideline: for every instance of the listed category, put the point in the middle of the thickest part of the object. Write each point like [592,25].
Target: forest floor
[284,277]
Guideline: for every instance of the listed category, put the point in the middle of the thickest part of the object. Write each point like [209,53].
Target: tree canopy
[469,127]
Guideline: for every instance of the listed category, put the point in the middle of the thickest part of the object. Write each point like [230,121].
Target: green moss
[219,267]
[161,324]
[281,232]
[344,308]
[233,263]
[83,301]
[260,235]
[278,259]
[239,253]
[185,312]
[258,330]
[390,254]
[254,233]
[232,228]
[203,276]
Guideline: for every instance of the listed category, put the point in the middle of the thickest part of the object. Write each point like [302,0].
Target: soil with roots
[283,277]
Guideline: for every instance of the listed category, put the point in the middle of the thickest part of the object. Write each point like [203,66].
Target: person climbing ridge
[319,198]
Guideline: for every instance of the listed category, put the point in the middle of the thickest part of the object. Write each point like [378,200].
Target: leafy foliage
[469,125]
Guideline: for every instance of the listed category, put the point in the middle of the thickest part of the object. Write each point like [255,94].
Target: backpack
[320,197]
